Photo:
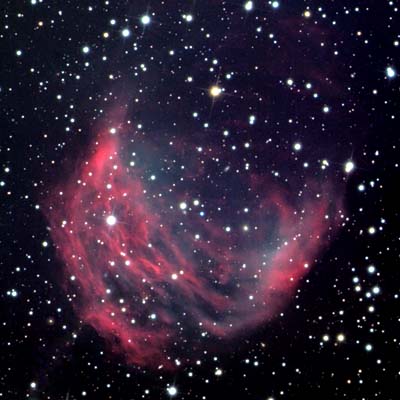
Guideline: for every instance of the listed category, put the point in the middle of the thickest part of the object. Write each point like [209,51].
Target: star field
[197,199]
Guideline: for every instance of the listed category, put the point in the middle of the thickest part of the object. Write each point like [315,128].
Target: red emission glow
[156,281]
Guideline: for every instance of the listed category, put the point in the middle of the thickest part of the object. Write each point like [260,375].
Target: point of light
[275,4]
[145,19]
[126,32]
[111,220]
[326,109]
[85,49]
[371,269]
[390,72]
[340,337]
[376,290]
[172,391]
[248,6]
[183,206]
[349,167]
[215,91]
[297,146]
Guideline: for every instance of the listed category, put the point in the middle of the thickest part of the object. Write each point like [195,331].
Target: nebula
[158,275]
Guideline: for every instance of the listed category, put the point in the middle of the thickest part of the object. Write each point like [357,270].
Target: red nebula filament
[147,274]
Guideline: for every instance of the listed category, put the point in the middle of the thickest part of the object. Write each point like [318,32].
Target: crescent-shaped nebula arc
[157,276]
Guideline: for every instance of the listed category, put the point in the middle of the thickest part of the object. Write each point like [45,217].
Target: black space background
[31,350]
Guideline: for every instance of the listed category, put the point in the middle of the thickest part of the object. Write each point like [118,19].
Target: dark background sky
[338,337]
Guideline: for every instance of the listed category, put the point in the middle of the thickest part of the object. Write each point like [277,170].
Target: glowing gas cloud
[159,273]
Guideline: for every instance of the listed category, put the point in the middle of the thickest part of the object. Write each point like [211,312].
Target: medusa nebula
[161,268]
